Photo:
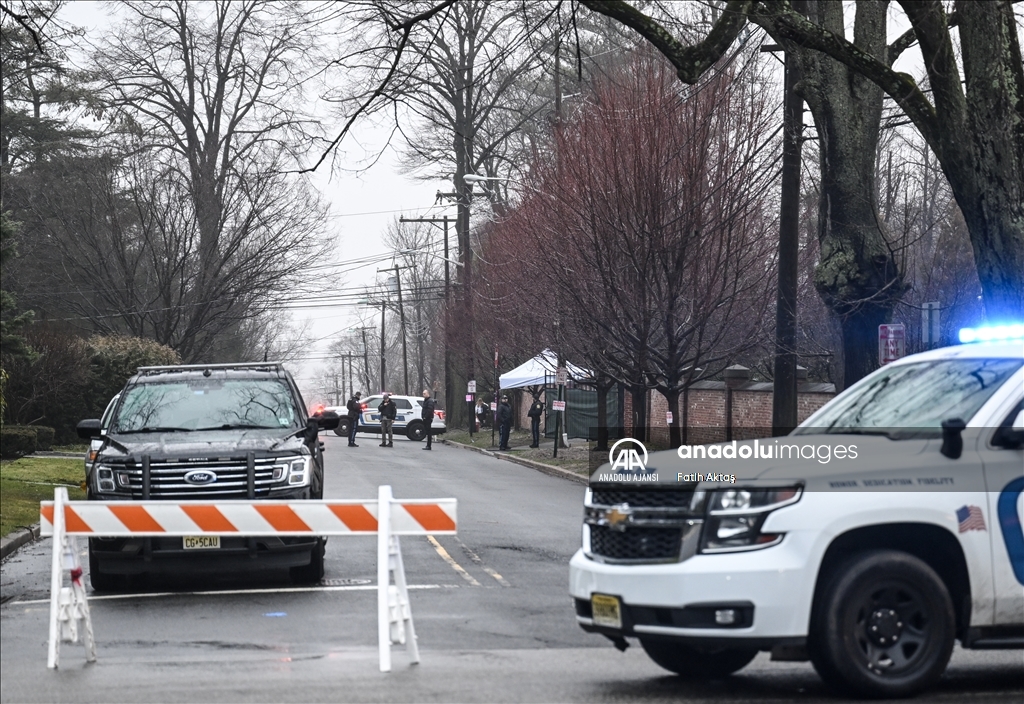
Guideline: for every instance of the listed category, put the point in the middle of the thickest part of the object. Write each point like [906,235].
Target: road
[490,605]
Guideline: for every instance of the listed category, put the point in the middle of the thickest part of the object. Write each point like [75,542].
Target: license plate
[200,542]
[606,610]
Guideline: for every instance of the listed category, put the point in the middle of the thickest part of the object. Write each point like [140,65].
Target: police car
[408,420]
[884,528]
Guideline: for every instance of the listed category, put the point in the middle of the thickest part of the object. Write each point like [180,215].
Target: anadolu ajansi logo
[628,458]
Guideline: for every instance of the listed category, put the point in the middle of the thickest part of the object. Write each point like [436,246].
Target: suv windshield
[206,404]
[916,396]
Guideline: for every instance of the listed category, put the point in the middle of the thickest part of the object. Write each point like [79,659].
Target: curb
[10,543]
[532,464]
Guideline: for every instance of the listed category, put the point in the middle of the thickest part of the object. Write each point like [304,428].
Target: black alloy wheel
[884,626]
[416,431]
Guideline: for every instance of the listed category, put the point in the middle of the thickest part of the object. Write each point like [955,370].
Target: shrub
[44,435]
[113,360]
[16,442]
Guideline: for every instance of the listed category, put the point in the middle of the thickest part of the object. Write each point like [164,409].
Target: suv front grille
[643,498]
[167,479]
[640,524]
[641,544]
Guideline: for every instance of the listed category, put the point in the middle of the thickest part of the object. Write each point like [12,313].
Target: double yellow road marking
[460,569]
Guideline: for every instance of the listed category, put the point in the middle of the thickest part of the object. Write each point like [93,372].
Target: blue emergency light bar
[993,333]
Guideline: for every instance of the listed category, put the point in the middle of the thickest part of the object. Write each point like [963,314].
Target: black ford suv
[207,432]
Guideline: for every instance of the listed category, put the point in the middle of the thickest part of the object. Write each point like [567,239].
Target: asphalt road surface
[490,605]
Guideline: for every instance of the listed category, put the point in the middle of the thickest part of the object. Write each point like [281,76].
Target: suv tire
[416,431]
[883,626]
[342,429]
[314,571]
[693,664]
[103,581]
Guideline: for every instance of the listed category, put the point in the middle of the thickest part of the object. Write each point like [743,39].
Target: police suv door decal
[1009,522]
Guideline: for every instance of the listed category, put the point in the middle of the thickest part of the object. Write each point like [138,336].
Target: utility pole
[784,397]
[401,316]
[449,374]
[383,364]
[366,361]
[350,384]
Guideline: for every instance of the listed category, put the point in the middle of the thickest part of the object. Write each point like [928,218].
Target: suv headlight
[735,517]
[295,471]
[104,481]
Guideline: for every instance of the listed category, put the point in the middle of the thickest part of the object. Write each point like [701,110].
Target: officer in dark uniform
[428,415]
[535,413]
[354,409]
[504,422]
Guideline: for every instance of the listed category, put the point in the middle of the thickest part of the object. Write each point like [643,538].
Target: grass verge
[575,458]
[26,482]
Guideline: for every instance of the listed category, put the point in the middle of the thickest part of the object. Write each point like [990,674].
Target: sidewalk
[571,464]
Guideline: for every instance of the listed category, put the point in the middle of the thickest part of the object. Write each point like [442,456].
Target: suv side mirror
[952,442]
[89,429]
[328,420]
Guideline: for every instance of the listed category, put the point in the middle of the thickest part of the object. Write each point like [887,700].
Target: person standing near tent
[504,422]
[535,413]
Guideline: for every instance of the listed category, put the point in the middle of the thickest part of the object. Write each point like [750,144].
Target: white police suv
[408,420]
[882,529]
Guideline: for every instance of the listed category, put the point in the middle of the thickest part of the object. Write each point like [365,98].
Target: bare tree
[207,96]
[970,119]
[649,225]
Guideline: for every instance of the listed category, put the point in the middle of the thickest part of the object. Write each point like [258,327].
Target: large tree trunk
[989,186]
[638,395]
[857,275]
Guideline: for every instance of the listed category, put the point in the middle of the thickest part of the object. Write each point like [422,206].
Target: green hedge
[17,442]
[44,435]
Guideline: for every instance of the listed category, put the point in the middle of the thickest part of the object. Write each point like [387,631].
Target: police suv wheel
[697,664]
[884,626]
[416,431]
[342,429]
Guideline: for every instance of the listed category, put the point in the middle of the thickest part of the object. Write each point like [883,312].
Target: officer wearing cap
[504,422]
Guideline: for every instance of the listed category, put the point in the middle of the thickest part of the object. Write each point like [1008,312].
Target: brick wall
[706,416]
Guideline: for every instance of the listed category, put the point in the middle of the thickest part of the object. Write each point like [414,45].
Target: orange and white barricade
[386,518]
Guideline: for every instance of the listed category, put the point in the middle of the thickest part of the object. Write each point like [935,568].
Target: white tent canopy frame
[539,371]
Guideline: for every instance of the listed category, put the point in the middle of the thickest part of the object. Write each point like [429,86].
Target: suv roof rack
[269,366]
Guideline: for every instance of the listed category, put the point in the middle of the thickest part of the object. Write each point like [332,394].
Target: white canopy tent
[538,371]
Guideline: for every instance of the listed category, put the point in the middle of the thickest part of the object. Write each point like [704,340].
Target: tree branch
[690,61]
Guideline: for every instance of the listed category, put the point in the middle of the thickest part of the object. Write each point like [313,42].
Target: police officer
[354,410]
[535,413]
[388,412]
[504,422]
[428,415]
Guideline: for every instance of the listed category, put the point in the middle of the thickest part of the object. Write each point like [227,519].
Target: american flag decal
[970,518]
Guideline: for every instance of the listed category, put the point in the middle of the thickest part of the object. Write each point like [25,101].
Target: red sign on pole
[892,343]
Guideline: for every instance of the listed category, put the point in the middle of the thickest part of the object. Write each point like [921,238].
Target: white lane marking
[281,590]
[480,563]
[454,565]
